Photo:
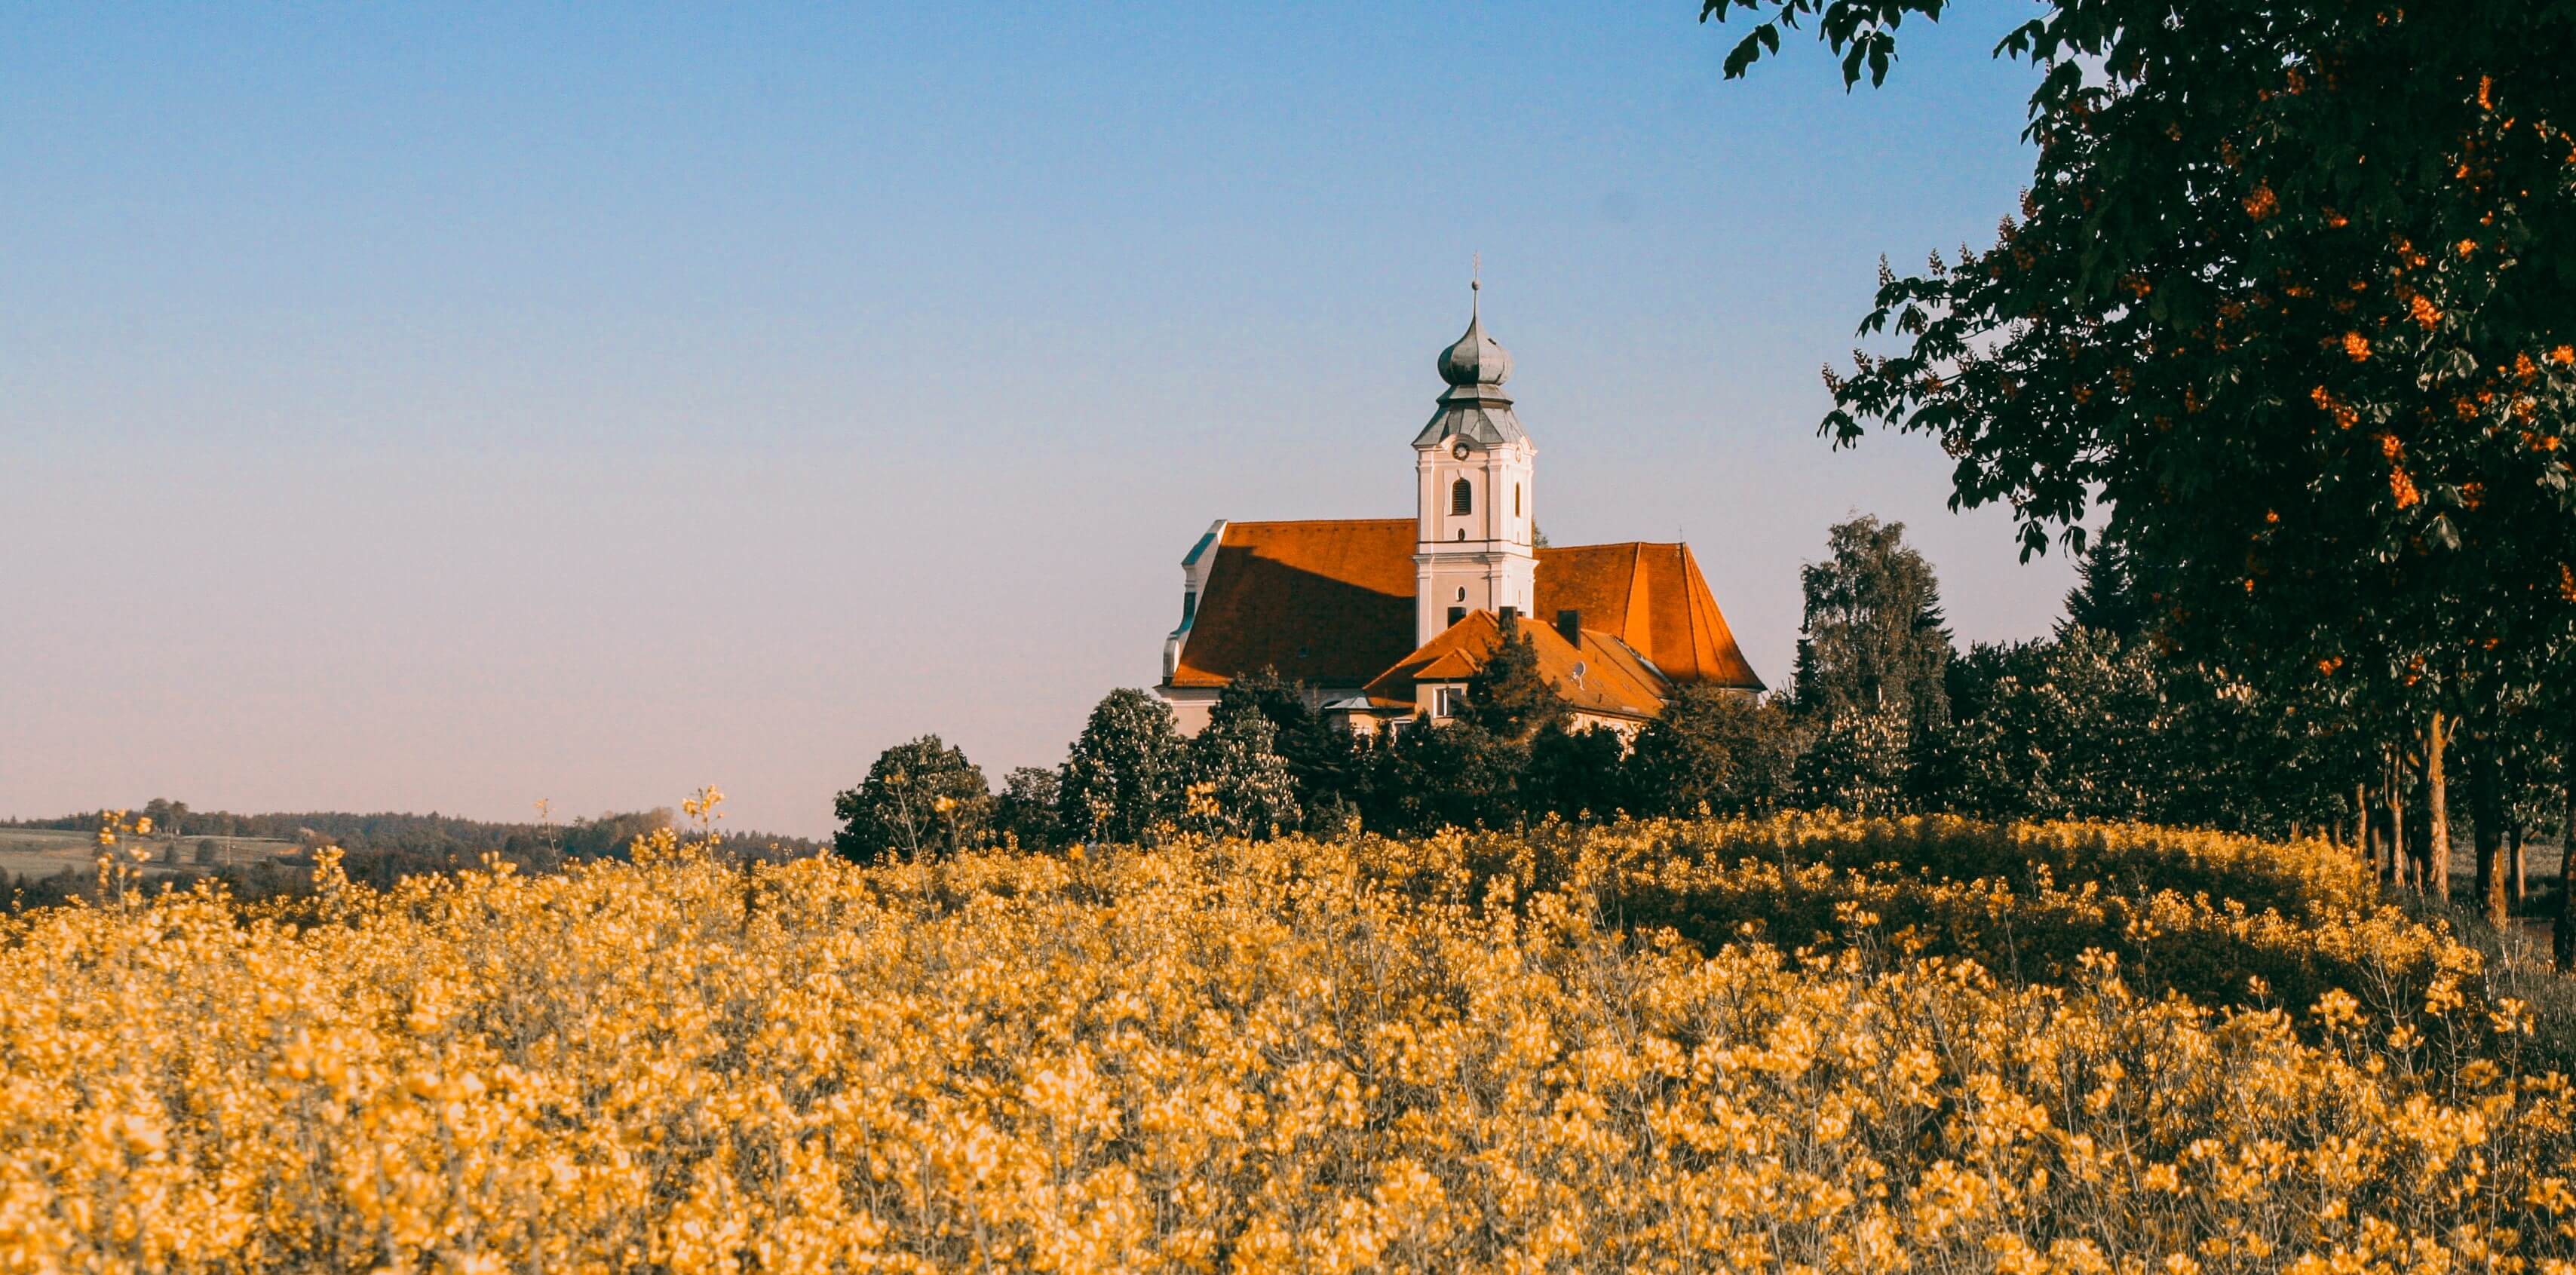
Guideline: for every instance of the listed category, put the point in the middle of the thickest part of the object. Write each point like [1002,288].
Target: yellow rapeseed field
[1803,1044]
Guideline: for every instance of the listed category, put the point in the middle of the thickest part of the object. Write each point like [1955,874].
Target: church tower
[1472,502]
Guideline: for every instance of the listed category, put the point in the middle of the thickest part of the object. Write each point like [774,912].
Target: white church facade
[1386,620]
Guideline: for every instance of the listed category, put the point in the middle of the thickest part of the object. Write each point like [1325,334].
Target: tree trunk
[2520,880]
[2562,933]
[2365,827]
[2396,792]
[2437,811]
[2486,798]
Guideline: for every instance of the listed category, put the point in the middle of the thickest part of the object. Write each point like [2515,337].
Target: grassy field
[1806,1044]
[41,852]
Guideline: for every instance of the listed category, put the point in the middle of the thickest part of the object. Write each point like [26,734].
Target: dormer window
[1462,498]
[1449,701]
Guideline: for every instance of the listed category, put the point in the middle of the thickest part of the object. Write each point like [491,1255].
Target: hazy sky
[444,407]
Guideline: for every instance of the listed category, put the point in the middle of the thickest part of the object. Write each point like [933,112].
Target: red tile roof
[1331,603]
[1652,597]
[1597,677]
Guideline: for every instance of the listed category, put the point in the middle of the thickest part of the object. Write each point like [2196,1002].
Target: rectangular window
[1449,701]
[1456,614]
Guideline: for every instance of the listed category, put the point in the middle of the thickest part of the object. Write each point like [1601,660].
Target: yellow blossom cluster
[1805,1044]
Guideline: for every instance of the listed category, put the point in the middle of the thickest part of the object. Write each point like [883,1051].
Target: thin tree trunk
[2437,811]
[2562,931]
[2521,880]
[2486,797]
[2365,826]
[2396,790]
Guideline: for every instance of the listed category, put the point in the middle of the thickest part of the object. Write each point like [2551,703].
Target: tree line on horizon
[380,848]
[1884,715]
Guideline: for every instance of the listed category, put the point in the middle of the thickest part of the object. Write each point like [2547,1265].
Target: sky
[444,407]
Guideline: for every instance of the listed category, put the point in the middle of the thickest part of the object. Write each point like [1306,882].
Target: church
[1386,619]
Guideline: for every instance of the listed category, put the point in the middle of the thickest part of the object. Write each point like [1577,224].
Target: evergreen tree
[1508,697]
[1125,772]
[2108,597]
[1238,783]
[919,798]
[1874,641]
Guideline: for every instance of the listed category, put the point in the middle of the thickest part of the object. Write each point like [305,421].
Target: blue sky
[443,407]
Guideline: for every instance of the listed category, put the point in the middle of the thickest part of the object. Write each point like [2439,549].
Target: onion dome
[1474,407]
[1476,359]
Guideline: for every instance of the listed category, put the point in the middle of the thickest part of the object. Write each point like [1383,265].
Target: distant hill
[262,855]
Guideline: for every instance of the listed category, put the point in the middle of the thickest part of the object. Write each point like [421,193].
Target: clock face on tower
[1459,451]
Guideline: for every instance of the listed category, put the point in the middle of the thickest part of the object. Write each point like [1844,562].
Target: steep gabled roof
[1598,677]
[1652,597]
[1329,603]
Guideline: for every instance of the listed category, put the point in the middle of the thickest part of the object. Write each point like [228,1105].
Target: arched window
[1462,498]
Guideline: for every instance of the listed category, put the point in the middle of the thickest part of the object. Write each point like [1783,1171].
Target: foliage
[1126,771]
[1238,783]
[921,797]
[1025,810]
[1714,750]
[1576,773]
[1390,1055]
[1859,762]
[1873,640]
[2292,293]
[1322,758]
[1508,696]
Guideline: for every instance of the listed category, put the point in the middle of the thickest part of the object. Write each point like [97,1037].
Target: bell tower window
[1462,497]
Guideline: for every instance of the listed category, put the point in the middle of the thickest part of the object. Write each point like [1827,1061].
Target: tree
[921,797]
[1576,773]
[1874,641]
[1320,756]
[1714,748]
[1125,772]
[2108,597]
[1026,810]
[1858,763]
[1239,786]
[2292,292]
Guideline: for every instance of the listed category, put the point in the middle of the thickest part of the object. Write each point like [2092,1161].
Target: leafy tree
[2291,291]
[1458,774]
[1238,783]
[1126,770]
[1576,773]
[1858,763]
[1714,748]
[1874,640]
[921,797]
[1320,756]
[1026,809]
[2069,730]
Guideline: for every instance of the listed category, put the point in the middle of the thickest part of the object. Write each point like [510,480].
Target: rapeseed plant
[1808,1044]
